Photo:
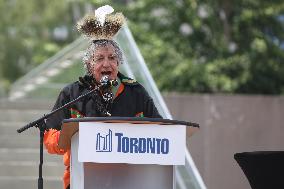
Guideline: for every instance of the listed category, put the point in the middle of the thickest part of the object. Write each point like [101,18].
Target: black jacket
[133,101]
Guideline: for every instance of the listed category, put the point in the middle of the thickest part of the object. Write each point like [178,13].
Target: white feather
[101,13]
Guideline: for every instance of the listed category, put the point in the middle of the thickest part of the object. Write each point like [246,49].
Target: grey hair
[95,44]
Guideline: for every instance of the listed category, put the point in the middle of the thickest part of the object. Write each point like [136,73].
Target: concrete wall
[229,124]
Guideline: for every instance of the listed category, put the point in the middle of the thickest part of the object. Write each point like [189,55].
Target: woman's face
[104,62]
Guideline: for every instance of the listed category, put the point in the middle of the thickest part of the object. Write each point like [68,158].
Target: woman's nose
[106,63]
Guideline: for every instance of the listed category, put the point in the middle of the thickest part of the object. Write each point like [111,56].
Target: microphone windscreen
[114,83]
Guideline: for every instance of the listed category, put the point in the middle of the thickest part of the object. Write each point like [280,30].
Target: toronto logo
[104,143]
[125,144]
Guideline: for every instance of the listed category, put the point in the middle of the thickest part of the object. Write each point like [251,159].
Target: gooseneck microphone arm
[37,122]
[105,82]
[41,123]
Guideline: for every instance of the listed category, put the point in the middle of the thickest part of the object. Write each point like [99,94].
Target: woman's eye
[112,57]
[98,59]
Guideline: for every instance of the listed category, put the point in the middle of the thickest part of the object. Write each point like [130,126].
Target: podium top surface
[134,120]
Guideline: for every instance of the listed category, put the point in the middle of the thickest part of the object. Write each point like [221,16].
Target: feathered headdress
[102,24]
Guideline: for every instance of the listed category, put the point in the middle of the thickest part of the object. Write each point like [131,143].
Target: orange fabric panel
[66,177]
[50,140]
[66,158]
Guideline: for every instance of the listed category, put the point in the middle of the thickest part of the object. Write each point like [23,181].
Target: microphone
[106,82]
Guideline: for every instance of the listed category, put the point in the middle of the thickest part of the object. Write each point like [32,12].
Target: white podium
[125,153]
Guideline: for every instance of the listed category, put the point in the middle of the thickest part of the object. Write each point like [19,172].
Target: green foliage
[26,34]
[211,46]
[195,46]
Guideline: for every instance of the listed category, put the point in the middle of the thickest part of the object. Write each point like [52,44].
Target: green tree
[212,46]
[199,46]
[27,34]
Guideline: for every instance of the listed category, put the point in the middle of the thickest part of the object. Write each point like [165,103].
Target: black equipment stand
[41,124]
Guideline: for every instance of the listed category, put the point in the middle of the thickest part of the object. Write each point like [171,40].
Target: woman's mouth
[106,73]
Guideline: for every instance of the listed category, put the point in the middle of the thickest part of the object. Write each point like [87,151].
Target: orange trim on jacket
[120,90]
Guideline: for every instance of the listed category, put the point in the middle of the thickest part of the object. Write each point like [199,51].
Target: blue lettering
[133,145]
[151,145]
[158,145]
[165,146]
[119,135]
[142,145]
[125,144]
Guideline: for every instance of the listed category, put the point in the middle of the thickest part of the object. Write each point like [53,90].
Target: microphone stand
[41,124]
